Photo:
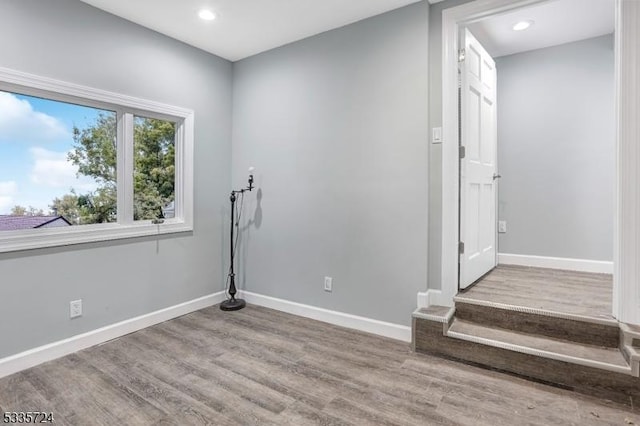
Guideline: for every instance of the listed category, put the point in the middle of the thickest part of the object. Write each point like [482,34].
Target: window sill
[40,238]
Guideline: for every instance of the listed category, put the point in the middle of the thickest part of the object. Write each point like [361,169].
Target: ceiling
[555,22]
[245,27]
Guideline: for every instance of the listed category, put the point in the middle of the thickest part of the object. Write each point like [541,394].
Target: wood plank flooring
[262,367]
[578,293]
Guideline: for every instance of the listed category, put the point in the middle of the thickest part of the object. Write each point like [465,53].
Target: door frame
[626,255]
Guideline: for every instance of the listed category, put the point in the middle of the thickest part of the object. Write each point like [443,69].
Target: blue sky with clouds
[35,138]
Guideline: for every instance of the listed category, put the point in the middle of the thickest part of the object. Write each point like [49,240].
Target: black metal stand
[234,304]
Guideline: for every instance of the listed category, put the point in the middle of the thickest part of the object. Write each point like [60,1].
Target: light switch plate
[436,135]
[328,284]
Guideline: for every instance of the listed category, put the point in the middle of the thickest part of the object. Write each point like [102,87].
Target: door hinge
[462,152]
[461,55]
[461,247]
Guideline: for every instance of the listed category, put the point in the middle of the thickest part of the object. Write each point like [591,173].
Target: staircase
[593,356]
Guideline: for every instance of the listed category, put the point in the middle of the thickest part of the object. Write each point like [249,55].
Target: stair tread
[575,294]
[513,305]
[435,313]
[434,310]
[610,356]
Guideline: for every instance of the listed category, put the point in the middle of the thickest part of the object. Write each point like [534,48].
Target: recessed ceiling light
[207,15]
[522,25]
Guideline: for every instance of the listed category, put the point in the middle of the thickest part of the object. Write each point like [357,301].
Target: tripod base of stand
[233,305]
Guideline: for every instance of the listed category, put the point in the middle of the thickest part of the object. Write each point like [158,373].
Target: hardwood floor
[577,293]
[262,367]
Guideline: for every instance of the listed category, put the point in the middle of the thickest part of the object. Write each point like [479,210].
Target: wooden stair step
[605,372]
[586,330]
[610,359]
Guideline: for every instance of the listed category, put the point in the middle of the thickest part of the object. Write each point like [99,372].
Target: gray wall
[556,139]
[72,41]
[337,127]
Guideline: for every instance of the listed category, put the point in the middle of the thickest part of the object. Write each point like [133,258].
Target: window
[57,164]
[154,168]
[79,164]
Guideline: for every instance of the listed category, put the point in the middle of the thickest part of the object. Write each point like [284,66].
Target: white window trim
[125,107]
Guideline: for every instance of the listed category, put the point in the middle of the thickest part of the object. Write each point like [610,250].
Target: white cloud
[19,122]
[8,188]
[7,192]
[53,169]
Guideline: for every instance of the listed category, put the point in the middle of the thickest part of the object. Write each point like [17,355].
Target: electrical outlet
[502,226]
[75,308]
[328,284]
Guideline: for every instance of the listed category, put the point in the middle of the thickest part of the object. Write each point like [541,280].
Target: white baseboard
[381,328]
[430,298]
[582,265]
[32,357]
[21,361]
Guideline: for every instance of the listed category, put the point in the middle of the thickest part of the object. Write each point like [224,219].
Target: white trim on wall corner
[423,299]
[30,358]
[368,325]
[626,293]
[430,298]
[582,265]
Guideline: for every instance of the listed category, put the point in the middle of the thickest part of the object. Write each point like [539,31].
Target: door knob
[496,176]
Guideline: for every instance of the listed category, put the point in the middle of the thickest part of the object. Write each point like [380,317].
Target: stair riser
[428,338]
[559,328]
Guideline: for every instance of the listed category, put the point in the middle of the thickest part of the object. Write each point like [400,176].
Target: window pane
[154,168]
[57,163]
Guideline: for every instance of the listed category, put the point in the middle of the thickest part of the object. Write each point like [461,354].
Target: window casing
[127,108]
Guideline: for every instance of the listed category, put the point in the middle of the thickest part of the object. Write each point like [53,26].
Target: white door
[478,165]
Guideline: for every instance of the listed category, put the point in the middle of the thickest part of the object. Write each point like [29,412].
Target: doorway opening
[537,139]
[625,297]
